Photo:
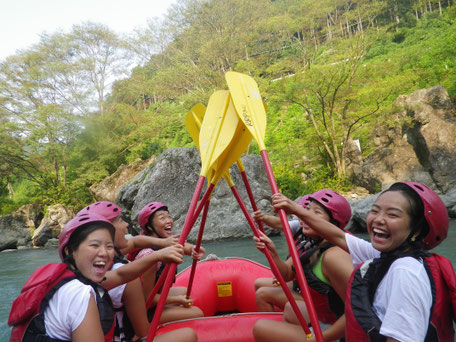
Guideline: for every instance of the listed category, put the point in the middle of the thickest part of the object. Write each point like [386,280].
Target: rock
[16,229]
[52,243]
[171,179]
[52,224]
[108,189]
[450,202]
[421,151]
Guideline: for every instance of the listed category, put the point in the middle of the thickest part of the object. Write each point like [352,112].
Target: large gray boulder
[172,179]
[17,229]
[419,147]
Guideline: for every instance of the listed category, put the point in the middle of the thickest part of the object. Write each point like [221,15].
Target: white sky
[22,21]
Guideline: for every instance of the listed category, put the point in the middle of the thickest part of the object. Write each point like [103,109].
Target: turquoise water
[18,265]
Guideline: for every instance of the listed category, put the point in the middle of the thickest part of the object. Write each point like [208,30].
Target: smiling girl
[399,291]
[156,221]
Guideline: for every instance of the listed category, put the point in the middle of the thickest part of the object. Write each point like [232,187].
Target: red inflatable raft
[224,291]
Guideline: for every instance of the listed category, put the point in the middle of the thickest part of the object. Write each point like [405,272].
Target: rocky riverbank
[420,149]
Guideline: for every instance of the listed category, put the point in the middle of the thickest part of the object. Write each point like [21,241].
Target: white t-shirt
[403,298]
[294,226]
[116,298]
[67,309]
[117,292]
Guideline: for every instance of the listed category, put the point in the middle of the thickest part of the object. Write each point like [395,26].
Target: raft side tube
[229,328]
[224,286]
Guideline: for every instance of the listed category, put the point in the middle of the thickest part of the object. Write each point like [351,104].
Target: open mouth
[99,266]
[378,233]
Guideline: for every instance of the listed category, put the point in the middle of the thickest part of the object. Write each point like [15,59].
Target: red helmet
[147,211]
[77,222]
[108,210]
[304,200]
[435,213]
[336,204]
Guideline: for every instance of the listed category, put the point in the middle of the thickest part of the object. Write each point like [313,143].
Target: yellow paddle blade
[237,147]
[193,122]
[249,105]
[217,130]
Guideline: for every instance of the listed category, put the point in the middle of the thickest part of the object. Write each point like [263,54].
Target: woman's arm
[325,229]
[272,221]
[134,269]
[143,241]
[284,267]
[90,327]
[189,249]
[135,307]
[337,268]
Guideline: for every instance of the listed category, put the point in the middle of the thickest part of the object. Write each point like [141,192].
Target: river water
[18,265]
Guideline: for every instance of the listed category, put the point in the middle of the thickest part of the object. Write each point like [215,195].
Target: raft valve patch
[224,289]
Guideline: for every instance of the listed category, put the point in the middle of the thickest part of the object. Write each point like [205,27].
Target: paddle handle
[274,268]
[293,252]
[197,248]
[251,198]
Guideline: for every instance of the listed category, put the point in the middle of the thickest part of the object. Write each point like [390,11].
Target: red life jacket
[27,311]
[362,324]
[328,305]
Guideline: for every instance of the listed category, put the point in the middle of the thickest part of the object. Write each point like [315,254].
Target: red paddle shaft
[162,277]
[294,253]
[197,248]
[251,198]
[274,268]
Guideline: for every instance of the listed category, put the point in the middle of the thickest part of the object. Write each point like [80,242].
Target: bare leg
[175,312]
[266,330]
[262,282]
[181,335]
[269,297]
[289,315]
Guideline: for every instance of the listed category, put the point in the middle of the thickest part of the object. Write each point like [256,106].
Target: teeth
[379,231]
[100,263]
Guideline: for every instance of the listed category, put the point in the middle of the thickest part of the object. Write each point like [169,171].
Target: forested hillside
[77,105]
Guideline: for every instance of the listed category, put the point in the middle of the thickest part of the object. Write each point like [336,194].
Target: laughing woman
[156,221]
[399,291]
[65,301]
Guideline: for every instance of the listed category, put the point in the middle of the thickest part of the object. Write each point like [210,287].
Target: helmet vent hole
[325,200]
[419,187]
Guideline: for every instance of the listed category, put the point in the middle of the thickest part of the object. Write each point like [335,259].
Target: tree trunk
[440,8]
[329,28]
[10,190]
[360,25]
[56,171]
[64,175]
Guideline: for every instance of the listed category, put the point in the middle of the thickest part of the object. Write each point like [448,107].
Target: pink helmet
[108,210]
[435,214]
[147,211]
[336,204]
[304,201]
[77,222]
